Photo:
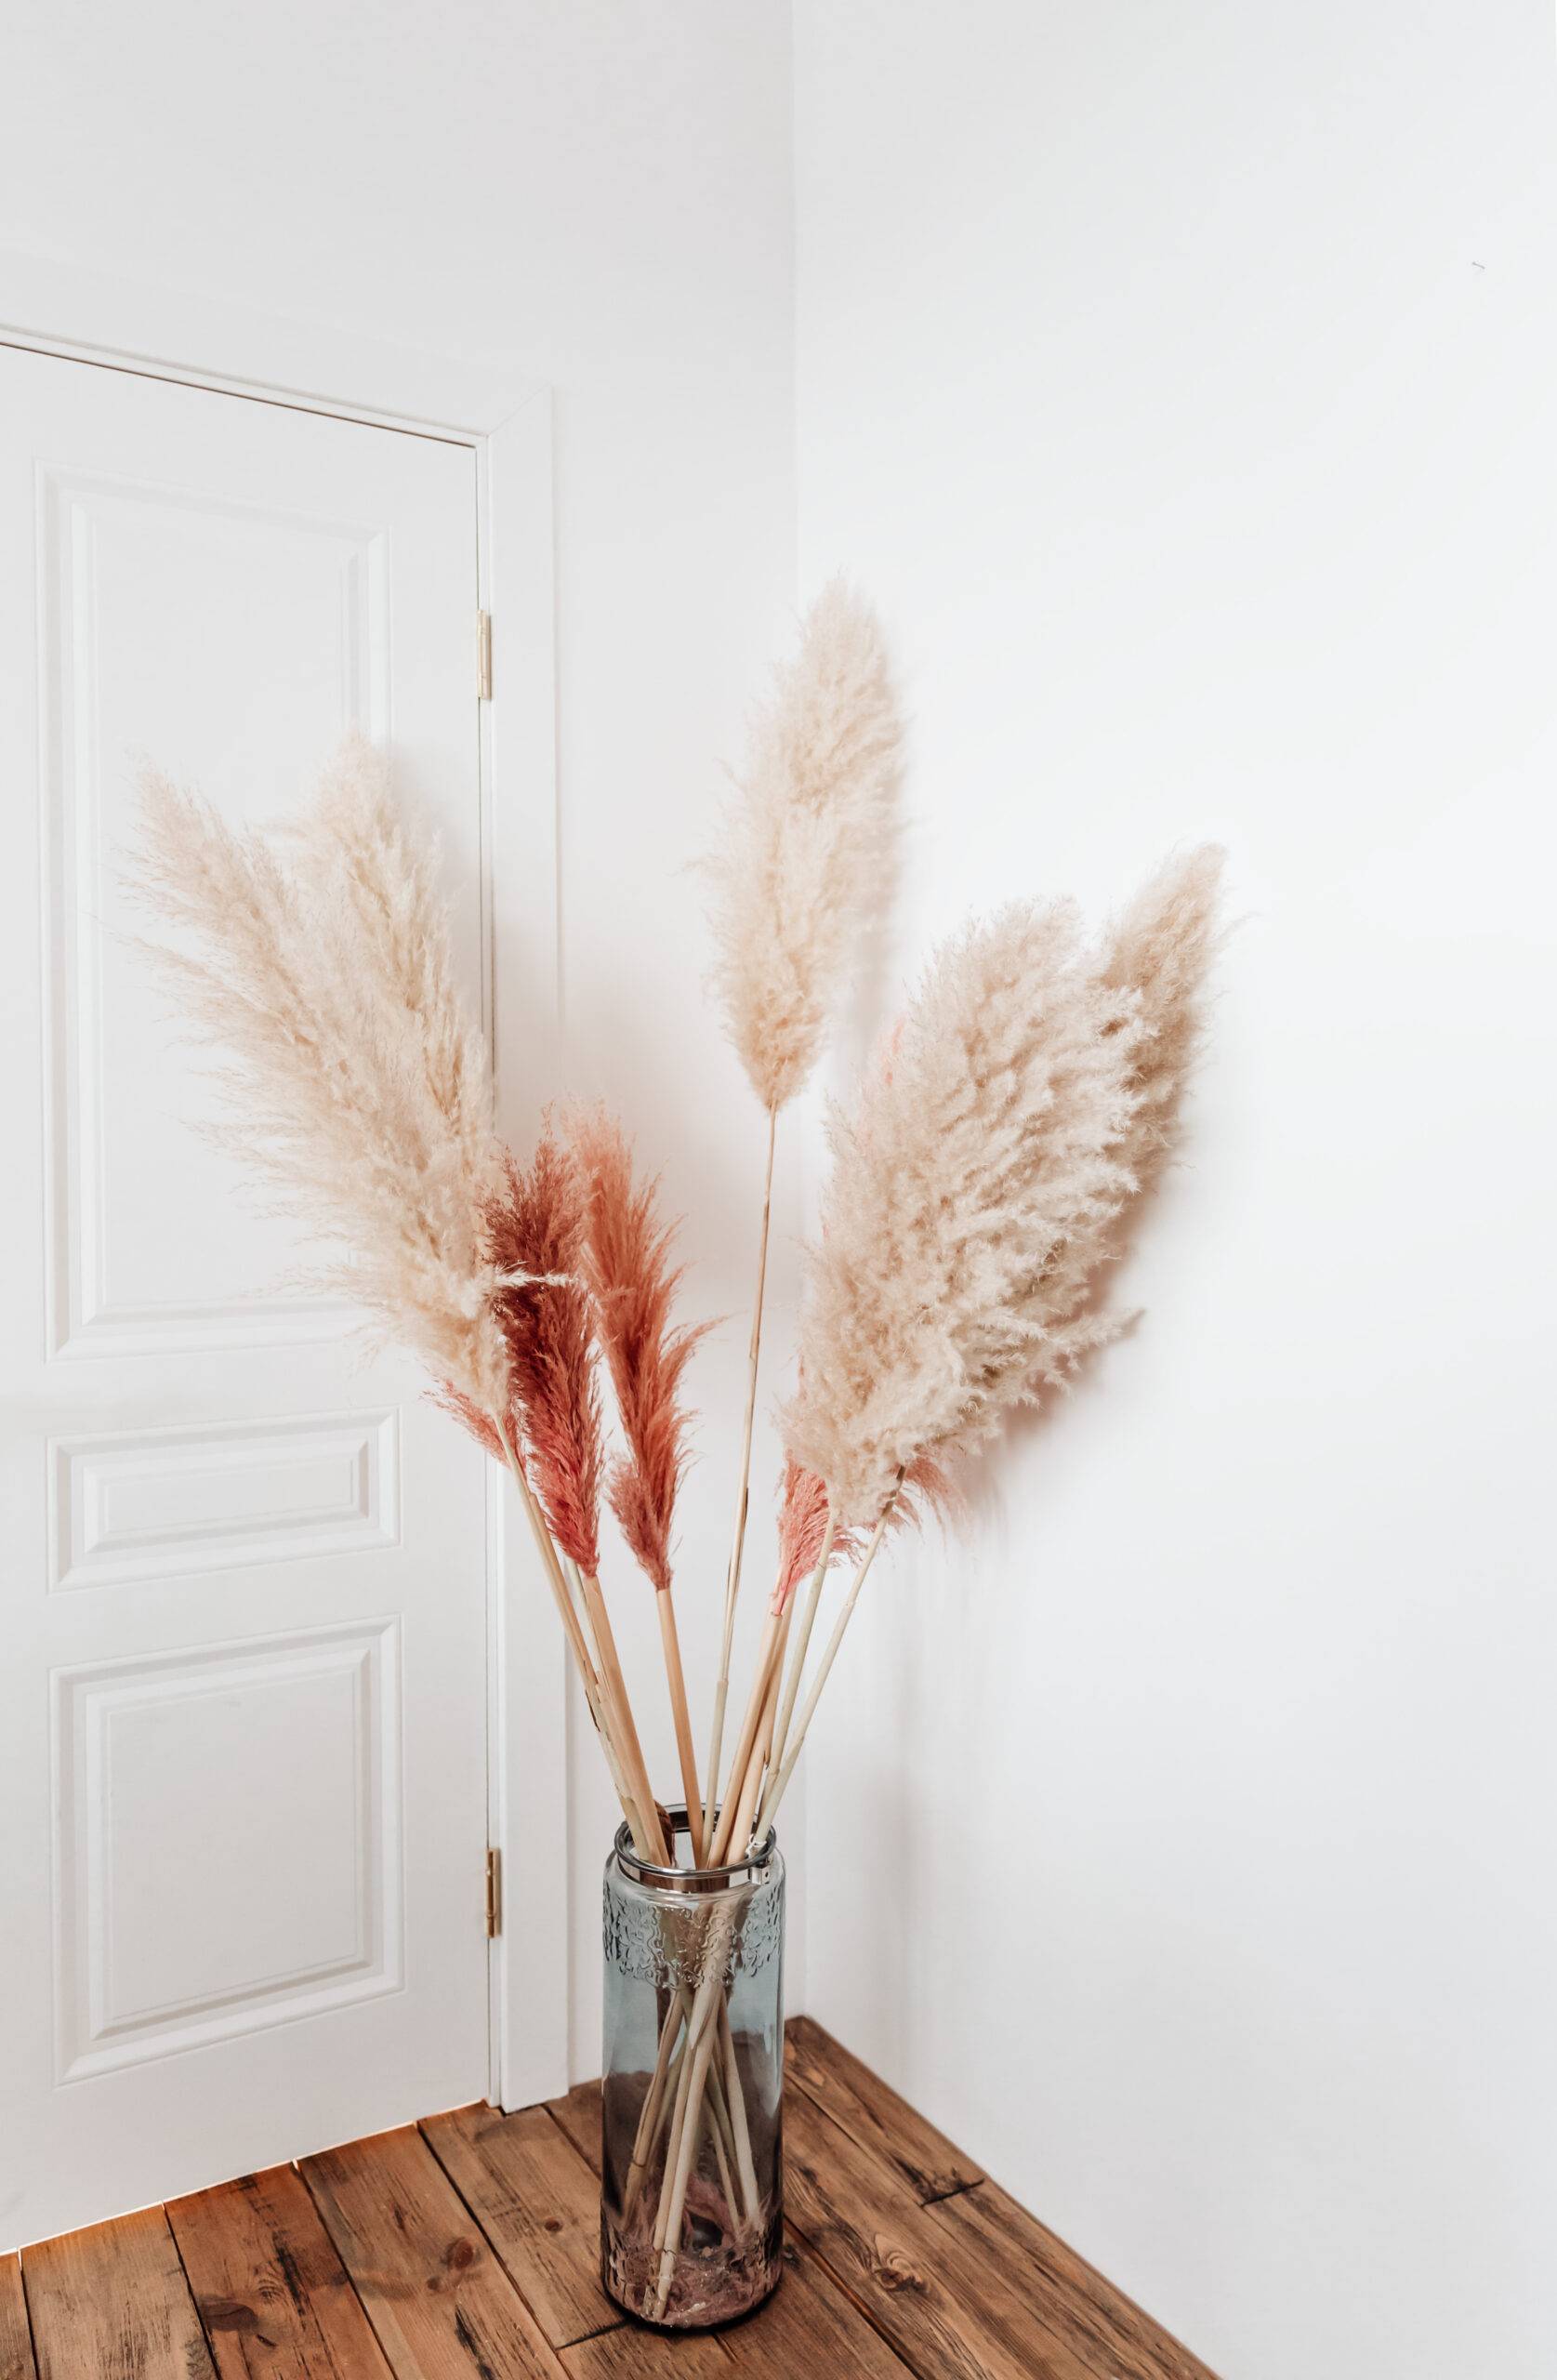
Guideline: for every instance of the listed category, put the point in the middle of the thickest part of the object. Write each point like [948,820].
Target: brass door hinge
[494,1893]
[483,657]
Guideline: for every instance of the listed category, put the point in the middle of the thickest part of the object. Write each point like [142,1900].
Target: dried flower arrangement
[980,1183]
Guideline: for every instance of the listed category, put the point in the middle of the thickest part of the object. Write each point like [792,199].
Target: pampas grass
[1161,949]
[804,1516]
[357,1087]
[798,879]
[799,874]
[989,1146]
[980,1183]
[533,1223]
[632,1282]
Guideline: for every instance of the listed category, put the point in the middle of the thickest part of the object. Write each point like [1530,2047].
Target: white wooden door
[242,1576]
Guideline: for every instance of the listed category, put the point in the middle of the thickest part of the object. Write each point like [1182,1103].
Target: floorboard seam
[27,2311]
[378,2339]
[194,2302]
[501,2260]
[884,2164]
[584,2336]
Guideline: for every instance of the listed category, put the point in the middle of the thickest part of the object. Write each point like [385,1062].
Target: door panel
[283,1898]
[242,1570]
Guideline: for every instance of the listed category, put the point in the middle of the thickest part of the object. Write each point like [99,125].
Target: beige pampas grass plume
[1033,1093]
[989,1143]
[801,870]
[356,1086]
[1162,947]
[798,880]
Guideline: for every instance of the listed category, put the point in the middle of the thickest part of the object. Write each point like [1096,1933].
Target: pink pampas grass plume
[633,1283]
[801,870]
[803,1529]
[534,1241]
[802,1532]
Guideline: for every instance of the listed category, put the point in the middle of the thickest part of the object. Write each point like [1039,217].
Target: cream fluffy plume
[980,1183]
[1161,946]
[358,1088]
[801,864]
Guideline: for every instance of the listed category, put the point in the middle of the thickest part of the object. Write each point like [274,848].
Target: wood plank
[626,2352]
[808,2325]
[950,2314]
[807,2306]
[539,2204]
[873,2115]
[112,2302]
[271,2290]
[1102,2326]
[16,2338]
[632,2352]
[441,2303]
[579,2116]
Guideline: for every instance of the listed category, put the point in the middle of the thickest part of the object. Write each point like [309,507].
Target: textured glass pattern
[694,2071]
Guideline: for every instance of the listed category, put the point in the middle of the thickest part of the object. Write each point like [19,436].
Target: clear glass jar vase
[691,2195]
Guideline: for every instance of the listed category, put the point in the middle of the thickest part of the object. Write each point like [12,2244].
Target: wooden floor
[467,2249]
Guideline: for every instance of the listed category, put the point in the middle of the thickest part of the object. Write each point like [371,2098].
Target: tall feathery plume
[535,1239]
[1075,1092]
[800,872]
[985,1148]
[798,880]
[990,1146]
[1161,949]
[533,1220]
[633,1283]
[358,1087]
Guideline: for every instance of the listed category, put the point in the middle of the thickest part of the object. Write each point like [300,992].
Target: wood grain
[272,2292]
[950,2315]
[873,2115]
[579,2116]
[468,2250]
[633,2353]
[441,2305]
[809,2326]
[539,2205]
[16,2339]
[112,2302]
[1104,2327]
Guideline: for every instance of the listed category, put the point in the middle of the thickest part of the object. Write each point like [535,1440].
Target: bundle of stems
[981,1180]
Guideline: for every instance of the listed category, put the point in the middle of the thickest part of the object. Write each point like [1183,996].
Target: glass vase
[691,2195]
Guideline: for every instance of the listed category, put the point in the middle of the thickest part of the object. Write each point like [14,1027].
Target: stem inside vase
[692,2181]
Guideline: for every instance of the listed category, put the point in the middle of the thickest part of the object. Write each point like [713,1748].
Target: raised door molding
[506,420]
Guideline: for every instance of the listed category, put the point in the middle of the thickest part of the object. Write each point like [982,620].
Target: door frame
[507,422]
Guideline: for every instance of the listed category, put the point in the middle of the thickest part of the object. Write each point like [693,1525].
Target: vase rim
[691,1880]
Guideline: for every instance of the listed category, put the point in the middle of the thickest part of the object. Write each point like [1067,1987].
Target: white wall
[592,193]
[1182,379]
